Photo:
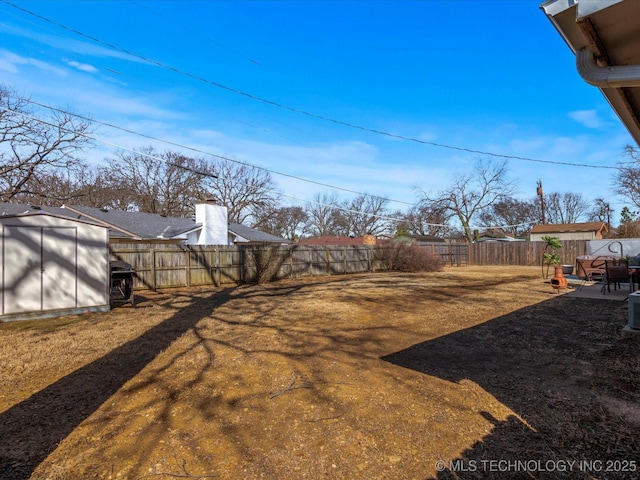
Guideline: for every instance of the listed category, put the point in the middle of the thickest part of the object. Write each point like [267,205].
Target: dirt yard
[467,373]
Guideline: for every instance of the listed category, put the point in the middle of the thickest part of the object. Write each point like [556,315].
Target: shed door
[39,270]
[59,262]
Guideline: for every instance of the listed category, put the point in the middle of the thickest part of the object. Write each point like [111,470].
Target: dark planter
[567,269]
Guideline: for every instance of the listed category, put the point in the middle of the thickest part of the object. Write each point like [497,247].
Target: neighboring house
[569,231]
[338,240]
[417,239]
[209,227]
[492,238]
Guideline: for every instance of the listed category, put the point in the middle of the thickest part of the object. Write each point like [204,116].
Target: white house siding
[52,266]
[537,237]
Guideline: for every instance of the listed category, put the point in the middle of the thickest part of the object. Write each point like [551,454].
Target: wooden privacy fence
[168,265]
[161,265]
[522,253]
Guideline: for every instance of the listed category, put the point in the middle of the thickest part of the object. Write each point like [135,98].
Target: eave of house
[609,30]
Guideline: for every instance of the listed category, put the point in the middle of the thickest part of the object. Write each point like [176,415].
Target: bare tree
[627,180]
[31,148]
[601,211]
[366,215]
[471,194]
[285,222]
[53,188]
[324,216]
[244,189]
[512,216]
[166,183]
[427,219]
[565,207]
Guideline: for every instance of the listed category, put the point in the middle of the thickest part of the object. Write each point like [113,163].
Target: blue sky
[235,78]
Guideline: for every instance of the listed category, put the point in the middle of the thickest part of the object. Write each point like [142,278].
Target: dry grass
[368,376]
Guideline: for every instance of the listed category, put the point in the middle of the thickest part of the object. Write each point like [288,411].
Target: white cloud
[587,118]
[10,62]
[83,67]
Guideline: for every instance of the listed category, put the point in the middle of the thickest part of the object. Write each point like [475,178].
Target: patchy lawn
[377,376]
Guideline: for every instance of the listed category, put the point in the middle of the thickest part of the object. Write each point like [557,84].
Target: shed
[51,266]
[569,231]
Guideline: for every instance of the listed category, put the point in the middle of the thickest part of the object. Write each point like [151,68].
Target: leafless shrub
[405,257]
[262,263]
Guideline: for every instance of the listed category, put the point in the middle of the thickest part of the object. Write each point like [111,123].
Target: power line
[189,29]
[110,125]
[294,109]
[82,134]
[207,174]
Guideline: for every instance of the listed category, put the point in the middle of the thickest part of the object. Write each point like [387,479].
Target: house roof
[332,240]
[605,36]
[252,235]
[138,225]
[570,227]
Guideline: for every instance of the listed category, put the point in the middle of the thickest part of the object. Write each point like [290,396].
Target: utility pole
[539,192]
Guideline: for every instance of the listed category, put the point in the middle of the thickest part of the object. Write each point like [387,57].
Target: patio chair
[616,273]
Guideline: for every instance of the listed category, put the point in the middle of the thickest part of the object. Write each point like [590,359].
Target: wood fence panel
[230,265]
[319,261]
[301,261]
[335,260]
[203,266]
[284,259]
[522,253]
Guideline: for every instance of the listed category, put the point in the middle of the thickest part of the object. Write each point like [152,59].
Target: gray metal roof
[605,36]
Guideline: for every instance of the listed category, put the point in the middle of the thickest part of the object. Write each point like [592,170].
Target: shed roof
[31,213]
[570,227]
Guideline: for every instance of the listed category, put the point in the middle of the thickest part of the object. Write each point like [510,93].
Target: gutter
[606,77]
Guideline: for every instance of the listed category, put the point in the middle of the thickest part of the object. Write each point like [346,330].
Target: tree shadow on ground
[562,366]
[32,429]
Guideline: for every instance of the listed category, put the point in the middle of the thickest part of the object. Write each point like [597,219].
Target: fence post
[187,264]
[217,273]
[327,260]
[152,254]
[344,262]
[290,250]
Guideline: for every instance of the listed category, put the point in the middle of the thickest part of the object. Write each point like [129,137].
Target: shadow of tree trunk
[32,429]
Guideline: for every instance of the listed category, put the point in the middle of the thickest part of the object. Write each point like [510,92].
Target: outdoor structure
[52,266]
[569,231]
[605,37]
